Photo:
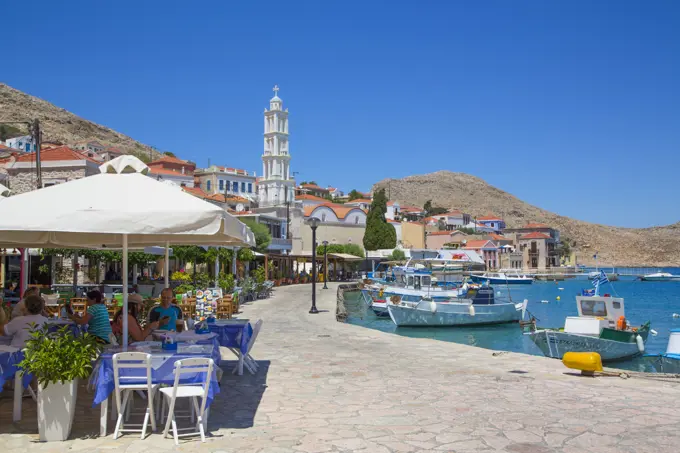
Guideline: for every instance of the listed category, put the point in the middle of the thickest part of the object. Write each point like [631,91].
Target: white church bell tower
[276,186]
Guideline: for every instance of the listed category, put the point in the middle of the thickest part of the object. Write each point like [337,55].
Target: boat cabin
[594,314]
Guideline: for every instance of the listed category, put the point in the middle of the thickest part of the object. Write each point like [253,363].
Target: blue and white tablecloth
[56,324]
[9,360]
[162,367]
[233,333]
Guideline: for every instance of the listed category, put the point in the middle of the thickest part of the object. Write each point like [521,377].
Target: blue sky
[573,106]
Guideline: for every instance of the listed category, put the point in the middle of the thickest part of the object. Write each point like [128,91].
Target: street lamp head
[325,243]
[313,222]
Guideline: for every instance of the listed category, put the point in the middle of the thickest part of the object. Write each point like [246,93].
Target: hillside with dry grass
[62,126]
[657,246]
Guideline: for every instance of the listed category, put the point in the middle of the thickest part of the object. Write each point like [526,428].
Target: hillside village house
[411,213]
[491,221]
[178,171]
[486,249]
[392,212]
[232,181]
[335,193]
[537,243]
[24,143]
[312,189]
[277,228]
[412,235]
[361,203]
[451,220]
[436,240]
[110,153]
[310,200]
[92,146]
[228,202]
[340,224]
[59,165]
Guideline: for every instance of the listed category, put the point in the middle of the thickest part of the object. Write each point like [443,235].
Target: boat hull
[501,281]
[664,363]
[555,344]
[660,279]
[453,314]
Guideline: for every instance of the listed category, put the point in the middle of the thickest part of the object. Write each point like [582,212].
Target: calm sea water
[644,301]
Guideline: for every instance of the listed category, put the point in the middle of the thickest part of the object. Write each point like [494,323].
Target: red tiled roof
[230,198]
[309,198]
[488,217]
[535,235]
[359,200]
[440,233]
[62,153]
[478,244]
[536,225]
[195,191]
[4,147]
[167,171]
[498,237]
[171,160]
[452,213]
[313,187]
[340,210]
[411,209]
[393,221]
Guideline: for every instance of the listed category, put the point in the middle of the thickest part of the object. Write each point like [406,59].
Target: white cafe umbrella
[120,208]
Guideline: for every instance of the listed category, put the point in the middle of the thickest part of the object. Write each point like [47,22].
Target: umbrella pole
[125,292]
[166,271]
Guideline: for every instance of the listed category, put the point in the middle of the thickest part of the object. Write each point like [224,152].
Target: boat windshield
[593,308]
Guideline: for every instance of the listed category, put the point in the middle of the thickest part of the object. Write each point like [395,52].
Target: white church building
[276,186]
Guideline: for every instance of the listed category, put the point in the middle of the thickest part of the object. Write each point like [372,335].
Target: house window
[323,217]
[227,183]
[356,220]
[207,185]
[235,186]
[250,187]
[221,185]
[28,147]
[243,187]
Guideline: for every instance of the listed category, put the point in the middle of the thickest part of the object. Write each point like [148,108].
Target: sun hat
[135,299]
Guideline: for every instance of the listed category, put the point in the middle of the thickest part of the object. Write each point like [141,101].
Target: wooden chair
[52,310]
[79,305]
[225,308]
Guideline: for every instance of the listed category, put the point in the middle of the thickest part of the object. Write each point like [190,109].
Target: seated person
[96,317]
[19,327]
[167,314]
[20,308]
[135,331]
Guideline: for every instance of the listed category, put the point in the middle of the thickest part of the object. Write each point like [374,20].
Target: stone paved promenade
[326,386]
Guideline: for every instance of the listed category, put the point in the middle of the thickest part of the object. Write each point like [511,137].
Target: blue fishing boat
[669,361]
[502,278]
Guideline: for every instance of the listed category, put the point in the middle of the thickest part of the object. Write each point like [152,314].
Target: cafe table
[10,358]
[233,334]
[162,370]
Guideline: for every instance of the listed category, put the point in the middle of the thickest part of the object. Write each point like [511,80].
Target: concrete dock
[325,386]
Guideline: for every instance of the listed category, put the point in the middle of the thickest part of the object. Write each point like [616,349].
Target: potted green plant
[227,283]
[57,360]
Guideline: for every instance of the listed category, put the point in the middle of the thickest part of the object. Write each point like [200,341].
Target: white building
[276,186]
[227,180]
[24,143]
[392,210]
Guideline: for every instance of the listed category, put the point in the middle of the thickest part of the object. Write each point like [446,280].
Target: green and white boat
[600,327]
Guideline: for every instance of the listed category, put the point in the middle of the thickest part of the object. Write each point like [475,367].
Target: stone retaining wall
[340,309]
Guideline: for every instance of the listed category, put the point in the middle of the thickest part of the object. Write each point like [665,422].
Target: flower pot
[56,408]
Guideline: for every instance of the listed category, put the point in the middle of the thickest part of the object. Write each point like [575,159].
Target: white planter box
[56,408]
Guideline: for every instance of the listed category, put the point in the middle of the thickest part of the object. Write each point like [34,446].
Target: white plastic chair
[193,391]
[125,386]
[248,360]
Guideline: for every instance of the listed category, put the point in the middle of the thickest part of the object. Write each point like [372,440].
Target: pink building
[487,250]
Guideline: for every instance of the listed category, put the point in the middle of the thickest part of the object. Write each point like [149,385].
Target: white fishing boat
[503,278]
[477,307]
[669,361]
[660,277]
[600,326]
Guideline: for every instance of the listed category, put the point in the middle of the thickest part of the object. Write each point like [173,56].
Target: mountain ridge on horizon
[615,246]
[58,124]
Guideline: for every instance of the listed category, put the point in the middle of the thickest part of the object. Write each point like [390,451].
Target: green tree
[169,154]
[433,210]
[397,255]
[441,224]
[379,234]
[262,236]
[354,195]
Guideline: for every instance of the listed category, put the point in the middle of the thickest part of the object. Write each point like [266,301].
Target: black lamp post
[325,264]
[313,224]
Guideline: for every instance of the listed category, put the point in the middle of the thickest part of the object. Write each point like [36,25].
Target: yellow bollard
[586,362]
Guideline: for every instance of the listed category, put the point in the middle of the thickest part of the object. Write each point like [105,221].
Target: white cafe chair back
[194,391]
[126,384]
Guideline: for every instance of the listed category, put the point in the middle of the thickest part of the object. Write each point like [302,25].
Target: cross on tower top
[276,90]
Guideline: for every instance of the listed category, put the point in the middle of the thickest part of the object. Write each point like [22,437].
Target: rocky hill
[62,126]
[657,246]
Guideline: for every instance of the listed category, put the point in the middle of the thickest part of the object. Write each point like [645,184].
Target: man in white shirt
[19,328]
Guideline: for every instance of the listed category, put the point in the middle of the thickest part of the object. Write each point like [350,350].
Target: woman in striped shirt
[96,317]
